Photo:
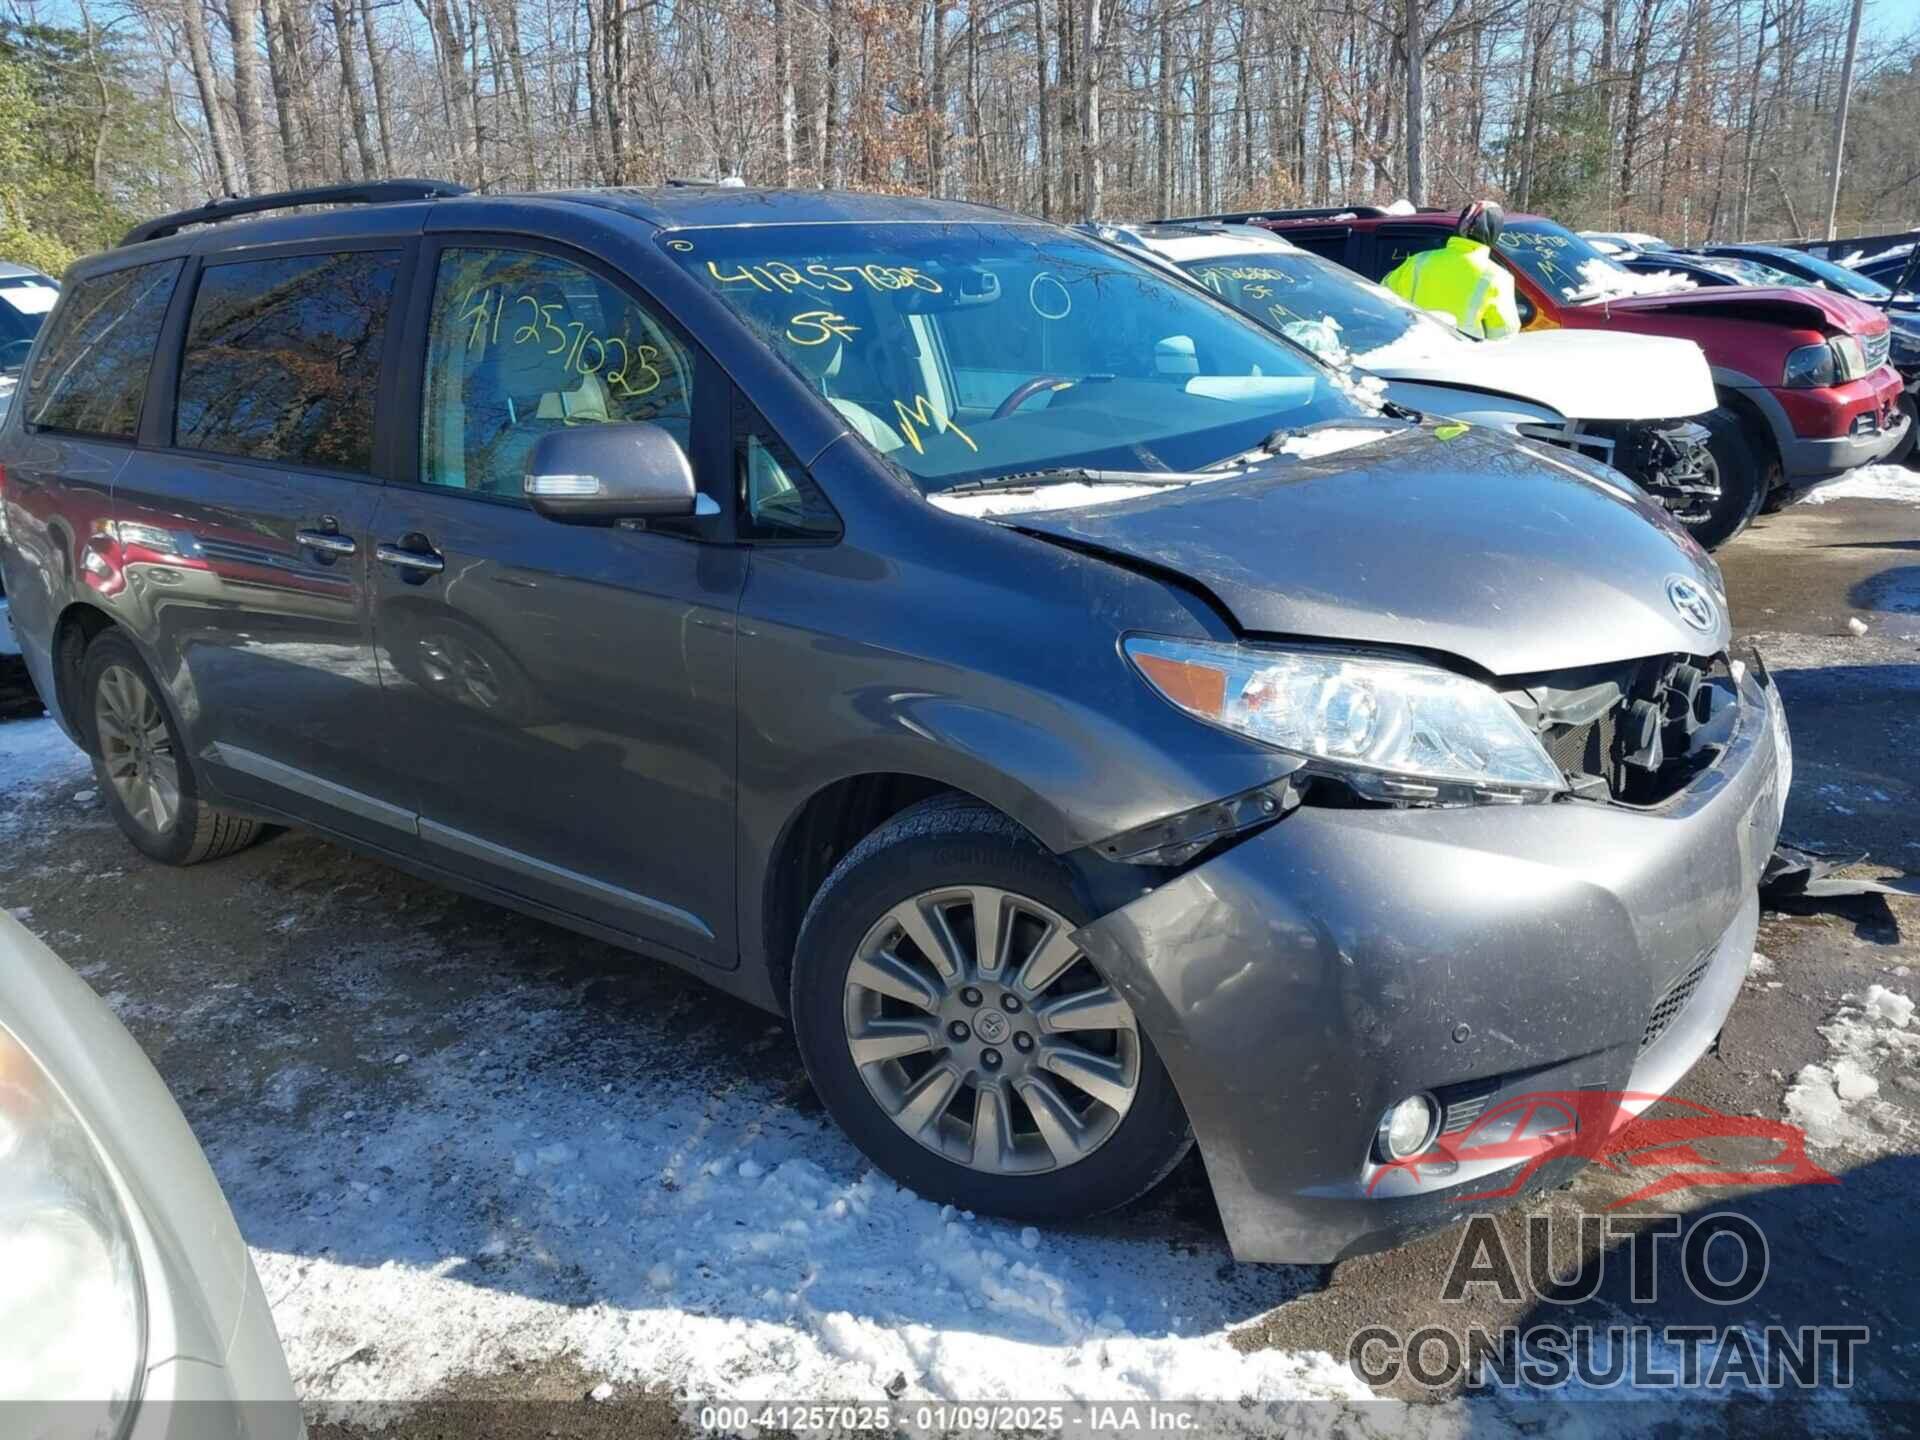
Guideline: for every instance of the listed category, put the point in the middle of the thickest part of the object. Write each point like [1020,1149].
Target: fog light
[1408,1127]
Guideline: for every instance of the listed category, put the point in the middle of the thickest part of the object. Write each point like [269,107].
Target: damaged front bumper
[1301,982]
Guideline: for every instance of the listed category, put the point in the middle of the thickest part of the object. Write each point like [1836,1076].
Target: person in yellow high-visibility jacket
[1462,278]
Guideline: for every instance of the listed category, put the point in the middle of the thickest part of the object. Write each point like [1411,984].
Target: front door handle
[425,562]
[327,542]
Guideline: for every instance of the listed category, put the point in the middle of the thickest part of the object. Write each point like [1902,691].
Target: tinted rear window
[91,373]
[283,358]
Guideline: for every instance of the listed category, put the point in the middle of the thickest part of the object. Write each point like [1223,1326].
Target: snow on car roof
[1183,243]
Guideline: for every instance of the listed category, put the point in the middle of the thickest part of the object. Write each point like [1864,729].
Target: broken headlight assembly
[72,1303]
[1393,730]
[1832,362]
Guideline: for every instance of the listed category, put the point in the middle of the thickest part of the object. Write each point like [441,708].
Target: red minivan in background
[1802,374]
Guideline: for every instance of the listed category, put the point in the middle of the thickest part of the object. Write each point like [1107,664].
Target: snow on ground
[1869,482]
[529,1181]
[1839,1104]
[35,756]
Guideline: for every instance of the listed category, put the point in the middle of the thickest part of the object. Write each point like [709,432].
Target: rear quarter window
[282,358]
[1392,247]
[91,373]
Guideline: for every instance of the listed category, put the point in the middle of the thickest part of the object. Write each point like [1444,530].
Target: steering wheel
[1026,390]
[13,353]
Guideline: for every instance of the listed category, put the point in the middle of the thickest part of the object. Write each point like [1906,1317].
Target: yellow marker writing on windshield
[924,415]
[816,327]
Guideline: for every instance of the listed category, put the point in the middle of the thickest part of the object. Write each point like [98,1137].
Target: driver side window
[522,343]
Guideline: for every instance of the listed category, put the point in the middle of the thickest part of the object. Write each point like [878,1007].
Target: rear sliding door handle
[326,542]
[425,562]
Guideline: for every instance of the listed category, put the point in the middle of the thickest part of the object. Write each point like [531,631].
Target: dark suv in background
[1090,719]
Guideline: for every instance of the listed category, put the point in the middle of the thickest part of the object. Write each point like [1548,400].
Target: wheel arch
[1759,414]
[820,832]
[76,628]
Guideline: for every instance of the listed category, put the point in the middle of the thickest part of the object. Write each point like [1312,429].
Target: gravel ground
[488,1167]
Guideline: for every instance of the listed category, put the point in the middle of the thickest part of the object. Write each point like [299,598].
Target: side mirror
[1525,306]
[597,474]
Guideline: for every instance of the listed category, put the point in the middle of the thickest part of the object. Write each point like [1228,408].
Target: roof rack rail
[377,192]
[1324,212]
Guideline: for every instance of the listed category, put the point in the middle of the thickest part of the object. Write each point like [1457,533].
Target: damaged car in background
[1634,402]
[1093,721]
[1802,373]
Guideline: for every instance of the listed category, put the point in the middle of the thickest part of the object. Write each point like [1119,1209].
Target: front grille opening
[1637,732]
[1674,1000]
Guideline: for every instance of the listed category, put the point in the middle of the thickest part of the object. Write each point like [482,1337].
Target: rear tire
[143,771]
[1743,475]
[949,1116]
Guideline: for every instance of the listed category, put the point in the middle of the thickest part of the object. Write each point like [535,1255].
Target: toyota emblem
[1692,603]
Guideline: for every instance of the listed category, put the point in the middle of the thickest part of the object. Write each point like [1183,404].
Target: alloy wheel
[136,749]
[987,1035]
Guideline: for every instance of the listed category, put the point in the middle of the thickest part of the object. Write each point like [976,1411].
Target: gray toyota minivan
[1094,723]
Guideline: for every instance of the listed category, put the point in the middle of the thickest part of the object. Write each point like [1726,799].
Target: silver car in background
[128,1303]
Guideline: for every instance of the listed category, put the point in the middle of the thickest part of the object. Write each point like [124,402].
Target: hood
[1474,546]
[1825,309]
[1584,374]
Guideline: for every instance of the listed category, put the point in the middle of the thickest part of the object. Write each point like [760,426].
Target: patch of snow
[35,756]
[1042,497]
[1604,280]
[1869,482]
[498,1204]
[1838,1103]
[1888,1007]
[1760,965]
[1326,440]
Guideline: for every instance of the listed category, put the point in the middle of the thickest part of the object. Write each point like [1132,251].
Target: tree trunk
[1090,78]
[377,69]
[350,80]
[1203,107]
[293,156]
[783,83]
[206,81]
[1168,129]
[1839,151]
[1045,110]
[1413,38]
[243,17]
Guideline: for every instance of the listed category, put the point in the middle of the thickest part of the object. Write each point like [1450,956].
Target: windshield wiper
[1275,443]
[1074,475]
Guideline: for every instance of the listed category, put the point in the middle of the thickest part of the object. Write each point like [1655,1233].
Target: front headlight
[1392,729]
[72,1306]
[1832,362]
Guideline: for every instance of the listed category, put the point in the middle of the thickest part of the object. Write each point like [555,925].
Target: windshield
[1847,282]
[1568,267]
[1325,307]
[24,303]
[1751,272]
[964,352]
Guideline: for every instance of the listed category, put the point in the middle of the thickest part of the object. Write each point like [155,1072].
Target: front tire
[961,1039]
[1903,453]
[1743,477]
[142,769]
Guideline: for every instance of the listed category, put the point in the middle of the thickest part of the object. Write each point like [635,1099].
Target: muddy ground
[315,1012]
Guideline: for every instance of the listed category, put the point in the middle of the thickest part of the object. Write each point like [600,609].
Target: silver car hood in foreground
[1474,546]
